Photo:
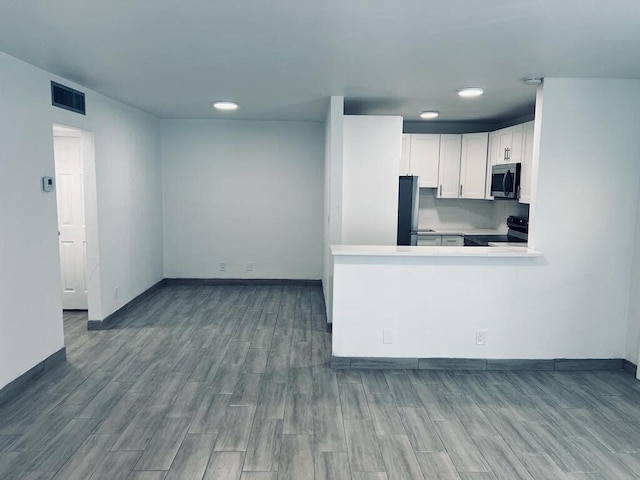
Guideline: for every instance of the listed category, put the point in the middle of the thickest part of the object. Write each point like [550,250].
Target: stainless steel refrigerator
[408,199]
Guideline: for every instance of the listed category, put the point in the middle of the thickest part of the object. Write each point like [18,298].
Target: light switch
[48,184]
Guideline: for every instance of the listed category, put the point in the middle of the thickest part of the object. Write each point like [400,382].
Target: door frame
[92,264]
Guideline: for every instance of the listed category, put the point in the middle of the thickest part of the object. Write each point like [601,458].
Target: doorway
[77,217]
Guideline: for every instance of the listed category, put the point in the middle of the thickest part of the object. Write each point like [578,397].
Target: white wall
[574,302]
[242,191]
[372,150]
[443,213]
[632,351]
[129,209]
[129,187]
[333,152]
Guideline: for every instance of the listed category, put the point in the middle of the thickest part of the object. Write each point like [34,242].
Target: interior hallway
[232,382]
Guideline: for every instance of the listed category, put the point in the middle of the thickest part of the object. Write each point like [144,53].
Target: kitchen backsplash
[437,213]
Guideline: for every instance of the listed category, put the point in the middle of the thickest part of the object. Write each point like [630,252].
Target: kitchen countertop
[508,244]
[461,231]
[406,251]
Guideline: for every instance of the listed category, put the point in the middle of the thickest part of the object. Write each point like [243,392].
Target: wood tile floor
[232,382]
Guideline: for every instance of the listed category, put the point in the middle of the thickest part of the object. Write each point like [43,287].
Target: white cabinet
[508,147]
[425,154]
[459,165]
[429,240]
[420,157]
[463,166]
[449,169]
[452,241]
[527,159]
[493,154]
[473,165]
[440,240]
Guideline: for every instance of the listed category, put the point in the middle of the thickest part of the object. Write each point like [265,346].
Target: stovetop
[483,240]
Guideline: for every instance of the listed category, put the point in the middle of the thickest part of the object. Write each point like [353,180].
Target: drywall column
[372,151]
[334,126]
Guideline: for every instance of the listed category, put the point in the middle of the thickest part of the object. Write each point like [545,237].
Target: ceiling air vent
[67,98]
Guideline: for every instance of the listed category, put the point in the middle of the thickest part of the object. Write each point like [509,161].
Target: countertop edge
[463,232]
[405,251]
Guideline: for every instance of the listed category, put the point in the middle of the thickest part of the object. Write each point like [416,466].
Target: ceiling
[280,59]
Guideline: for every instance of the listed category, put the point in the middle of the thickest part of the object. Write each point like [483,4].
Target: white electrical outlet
[387,336]
[481,337]
[249,266]
[223,266]
[115,293]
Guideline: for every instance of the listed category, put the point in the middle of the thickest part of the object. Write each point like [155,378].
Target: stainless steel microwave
[505,181]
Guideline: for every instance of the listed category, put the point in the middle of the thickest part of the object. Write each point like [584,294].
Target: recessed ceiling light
[225,106]
[429,115]
[470,92]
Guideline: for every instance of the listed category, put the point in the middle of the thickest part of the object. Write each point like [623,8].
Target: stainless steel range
[518,232]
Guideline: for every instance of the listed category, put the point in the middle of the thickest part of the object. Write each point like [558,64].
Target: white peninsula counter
[511,250]
[397,302]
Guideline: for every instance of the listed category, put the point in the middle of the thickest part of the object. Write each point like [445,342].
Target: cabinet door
[509,148]
[449,168]
[505,137]
[527,158]
[425,155]
[429,240]
[494,139]
[452,241]
[515,153]
[405,160]
[473,165]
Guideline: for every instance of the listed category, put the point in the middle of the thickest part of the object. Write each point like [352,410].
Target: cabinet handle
[440,190]
[460,189]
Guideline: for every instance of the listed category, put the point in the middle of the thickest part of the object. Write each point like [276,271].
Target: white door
[71,225]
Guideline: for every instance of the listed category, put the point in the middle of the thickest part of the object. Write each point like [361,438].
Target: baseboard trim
[516,364]
[112,319]
[629,367]
[15,387]
[243,281]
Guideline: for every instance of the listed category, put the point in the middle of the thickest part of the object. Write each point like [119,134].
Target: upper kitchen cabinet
[449,168]
[508,145]
[527,159]
[425,155]
[473,165]
[463,165]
